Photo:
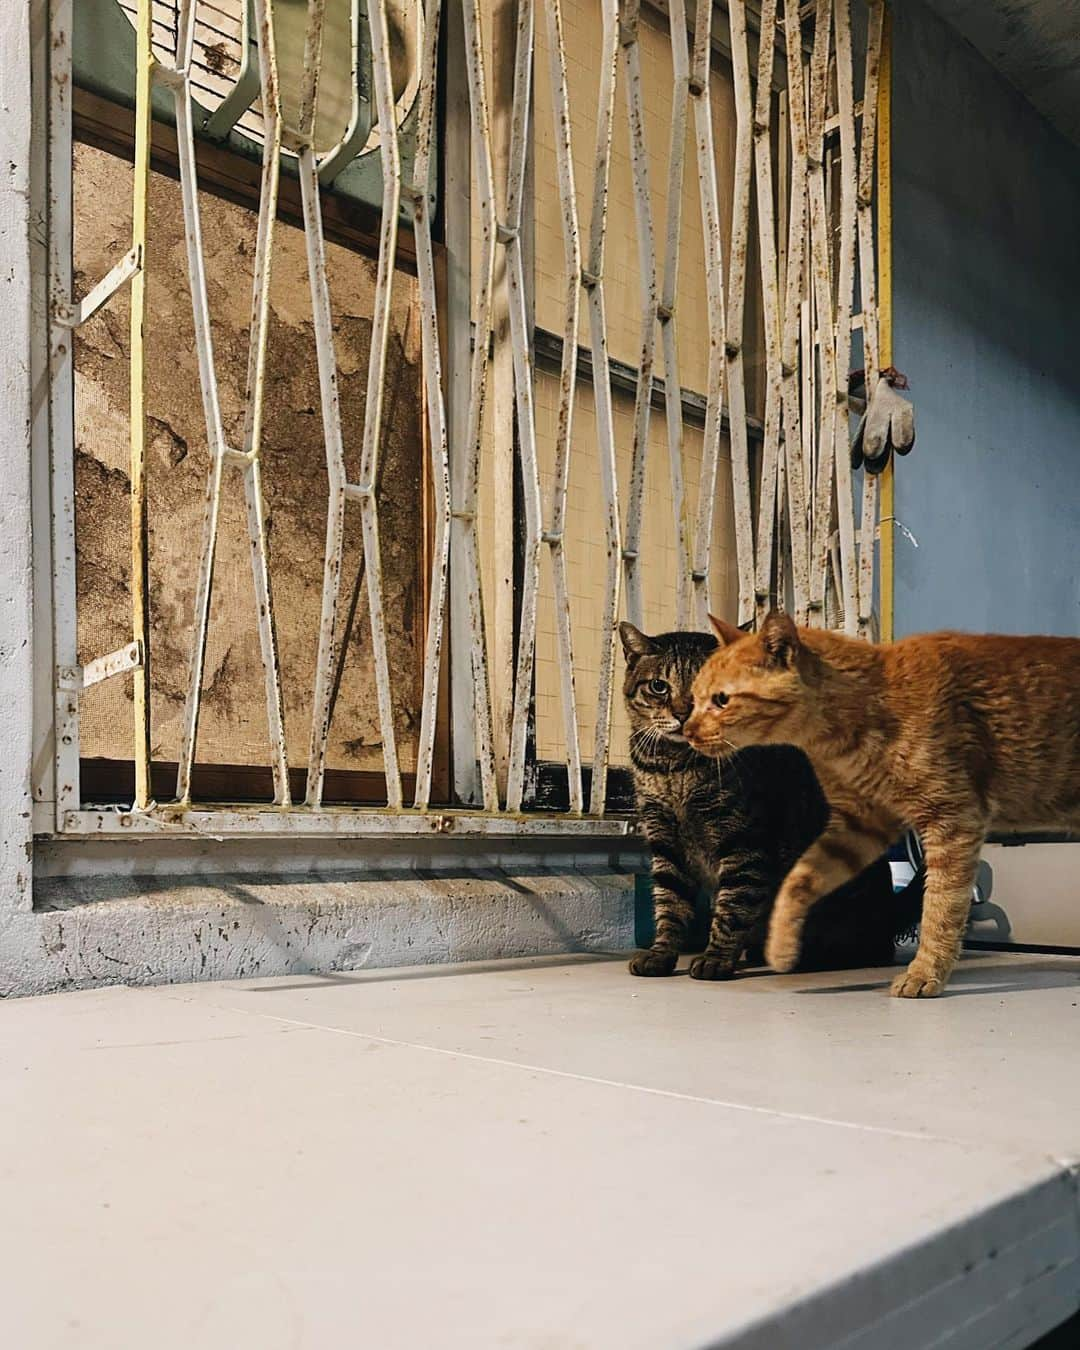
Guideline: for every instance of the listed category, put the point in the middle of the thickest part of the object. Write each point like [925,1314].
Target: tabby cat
[949,734]
[735,831]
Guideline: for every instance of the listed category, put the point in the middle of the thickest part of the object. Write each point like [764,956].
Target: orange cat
[949,734]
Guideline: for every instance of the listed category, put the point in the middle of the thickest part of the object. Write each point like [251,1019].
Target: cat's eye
[719,700]
[658,687]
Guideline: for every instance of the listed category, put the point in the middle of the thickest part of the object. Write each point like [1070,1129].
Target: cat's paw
[782,951]
[918,982]
[709,966]
[654,963]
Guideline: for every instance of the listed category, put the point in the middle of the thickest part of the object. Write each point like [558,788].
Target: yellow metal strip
[885,351]
[140,600]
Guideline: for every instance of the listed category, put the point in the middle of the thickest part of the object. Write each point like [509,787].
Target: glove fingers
[857,444]
[878,463]
[903,426]
[877,421]
[875,433]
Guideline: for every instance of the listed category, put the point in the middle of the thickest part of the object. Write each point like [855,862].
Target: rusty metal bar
[646,242]
[61,413]
[390,157]
[733,343]
[248,80]
[521,340]
[789,356]
[436,406]
[770,298]
[669,285]
[465,510]
[140,580]
[358,128]
[455,164]
[73,316]
[254,395]
[867,275]
[304,131]
[105,667]
[326,658]
[593,279]
[700,94]
[821,273]
[847,577]
[503,542]
[564,161]
[224,822]
[215,436]
[220,453]
[339,487]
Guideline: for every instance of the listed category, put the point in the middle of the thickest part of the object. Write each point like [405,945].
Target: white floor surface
[549,1155]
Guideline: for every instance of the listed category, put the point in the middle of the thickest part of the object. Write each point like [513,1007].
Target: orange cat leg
[951,860]
[835,857]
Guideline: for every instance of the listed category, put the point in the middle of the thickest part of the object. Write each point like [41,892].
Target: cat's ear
[727,633]
[780,639]
[634,642]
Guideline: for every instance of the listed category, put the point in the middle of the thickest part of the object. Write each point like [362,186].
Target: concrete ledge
[87,931]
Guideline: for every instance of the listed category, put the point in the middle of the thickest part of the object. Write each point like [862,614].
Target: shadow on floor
[981,976]
[390,974]
[1064,1337]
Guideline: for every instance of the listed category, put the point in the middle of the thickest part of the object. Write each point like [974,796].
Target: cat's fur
[735,832]
[949,734]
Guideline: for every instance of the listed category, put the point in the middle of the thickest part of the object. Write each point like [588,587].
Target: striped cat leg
[674,893]
[741,898]
[951,862]
[833,858]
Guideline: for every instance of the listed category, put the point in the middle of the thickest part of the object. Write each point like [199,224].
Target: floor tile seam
[671,1094]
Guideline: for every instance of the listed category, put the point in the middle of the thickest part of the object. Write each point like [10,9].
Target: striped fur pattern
[734,830]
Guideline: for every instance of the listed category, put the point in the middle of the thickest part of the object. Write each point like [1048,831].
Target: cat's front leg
[836,856]
[674,892]
[951,861]
[741,898]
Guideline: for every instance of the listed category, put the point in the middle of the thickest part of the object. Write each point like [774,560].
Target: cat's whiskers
[647,737]
[655,732]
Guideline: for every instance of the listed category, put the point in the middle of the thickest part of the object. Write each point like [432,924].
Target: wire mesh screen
[667,229]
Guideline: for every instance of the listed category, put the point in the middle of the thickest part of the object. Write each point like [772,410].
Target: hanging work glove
[857,404]
[888,424]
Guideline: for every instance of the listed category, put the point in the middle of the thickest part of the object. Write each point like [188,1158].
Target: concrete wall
[987,291]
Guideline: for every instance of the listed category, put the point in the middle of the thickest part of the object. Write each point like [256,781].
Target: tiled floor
[543,1154]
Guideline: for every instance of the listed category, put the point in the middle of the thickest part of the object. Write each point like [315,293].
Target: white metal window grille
[804,178]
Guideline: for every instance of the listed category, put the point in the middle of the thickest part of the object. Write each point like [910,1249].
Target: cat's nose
[682,711]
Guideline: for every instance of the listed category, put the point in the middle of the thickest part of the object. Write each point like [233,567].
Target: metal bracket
[72,679]
[75,314]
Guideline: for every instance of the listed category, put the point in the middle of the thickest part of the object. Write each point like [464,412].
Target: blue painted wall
[986,244]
